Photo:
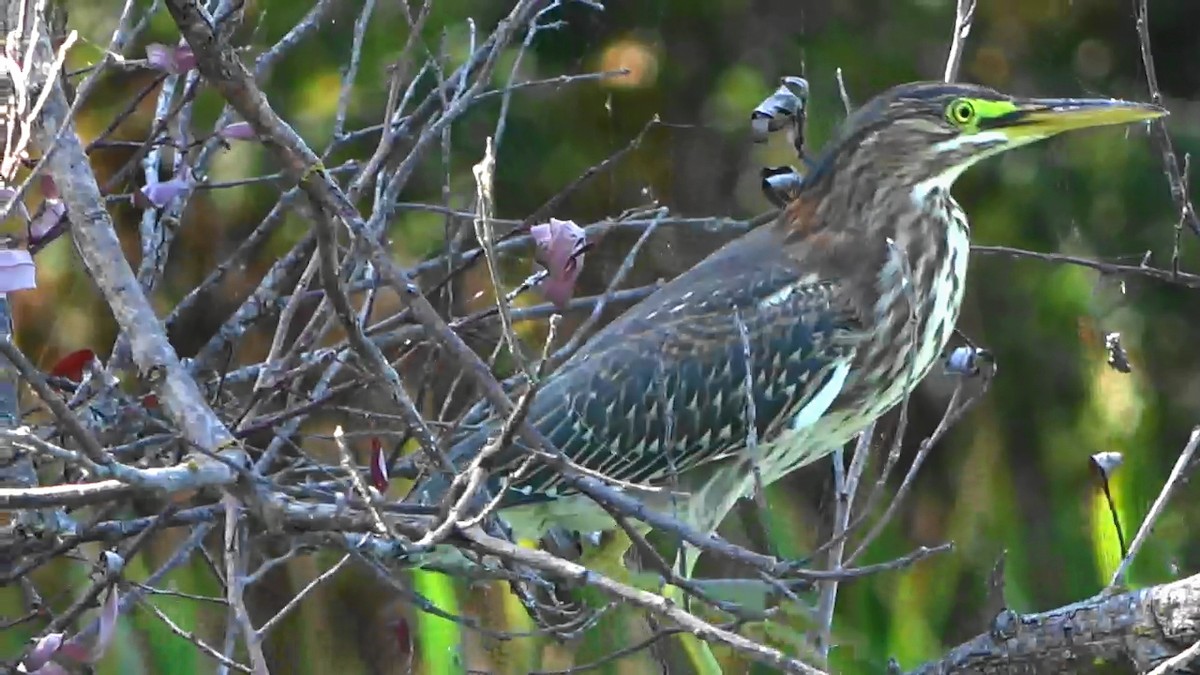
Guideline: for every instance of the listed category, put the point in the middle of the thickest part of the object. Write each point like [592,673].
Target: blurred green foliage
[1013,477]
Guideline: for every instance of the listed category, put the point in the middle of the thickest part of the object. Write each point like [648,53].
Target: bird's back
[663,388]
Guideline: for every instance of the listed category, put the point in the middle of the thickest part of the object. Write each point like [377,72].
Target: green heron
[785,343]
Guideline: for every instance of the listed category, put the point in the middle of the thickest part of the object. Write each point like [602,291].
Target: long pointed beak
[1044,117]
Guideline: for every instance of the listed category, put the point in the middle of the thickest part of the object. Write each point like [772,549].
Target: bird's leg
[608,558]
[697,650]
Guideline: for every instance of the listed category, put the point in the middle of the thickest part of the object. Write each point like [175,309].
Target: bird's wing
[663,388]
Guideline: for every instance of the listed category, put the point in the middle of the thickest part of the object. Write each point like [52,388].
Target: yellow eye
[961,111]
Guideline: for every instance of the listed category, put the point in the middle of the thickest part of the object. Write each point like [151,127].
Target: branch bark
[98,245]
[1126,632]
[16,467]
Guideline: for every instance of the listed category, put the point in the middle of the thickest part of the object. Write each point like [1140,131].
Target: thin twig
[1158,127]
[964,14]
[294,601]
[234,580]
[845,488]
[644,599]
[485,178]
[191,637]
[351,470]
[1156,509]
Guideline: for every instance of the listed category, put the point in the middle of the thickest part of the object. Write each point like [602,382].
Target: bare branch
[1135,630]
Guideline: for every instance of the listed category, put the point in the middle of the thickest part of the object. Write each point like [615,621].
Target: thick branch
[1129,632]
[96,240]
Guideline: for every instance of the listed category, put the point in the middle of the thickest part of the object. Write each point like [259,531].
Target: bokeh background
[1013,476]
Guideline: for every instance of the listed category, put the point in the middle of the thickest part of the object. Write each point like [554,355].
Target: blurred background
[1013,476]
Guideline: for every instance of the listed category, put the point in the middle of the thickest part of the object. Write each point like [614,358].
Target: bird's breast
[919,294]
[916,307]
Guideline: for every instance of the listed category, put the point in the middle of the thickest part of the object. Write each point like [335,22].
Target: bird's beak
[1039,118]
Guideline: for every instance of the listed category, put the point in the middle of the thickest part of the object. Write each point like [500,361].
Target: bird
[785,343]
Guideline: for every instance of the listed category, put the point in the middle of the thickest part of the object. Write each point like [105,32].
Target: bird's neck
[917,243]
[920,283]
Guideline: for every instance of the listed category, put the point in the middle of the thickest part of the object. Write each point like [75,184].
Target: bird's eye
[962,111]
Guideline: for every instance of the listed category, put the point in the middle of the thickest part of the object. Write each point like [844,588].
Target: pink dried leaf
[50,668]
[91,651]
[17,271]
[109,614]
[159,56]
[161,194]
[238,131]
[560,245]
[175,60]
[47,217]
[49,187]
[43,651]
[75,650]
[185,58]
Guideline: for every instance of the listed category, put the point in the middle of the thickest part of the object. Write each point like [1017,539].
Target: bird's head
[931,131]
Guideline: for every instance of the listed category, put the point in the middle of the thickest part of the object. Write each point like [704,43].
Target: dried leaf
[75,650]
[1106,463]
[175,60]
[51,668]
[112,561]
[1118,358]
[403,636]
[784,109]
[49,187]
[91,651]
[73,365]
[17,271]
[560,247]
[379,468]
[185,58]
[47,646]
[108,624]
[781,184]
[161,194]
[238,131]
[967,361]
[51,213]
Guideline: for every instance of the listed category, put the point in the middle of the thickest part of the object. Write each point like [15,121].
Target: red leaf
[72,365]
[403,636]
[379,469]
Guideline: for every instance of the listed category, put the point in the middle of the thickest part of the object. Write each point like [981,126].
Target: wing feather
[664,388]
